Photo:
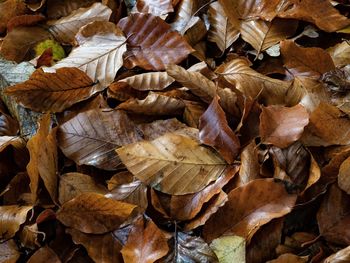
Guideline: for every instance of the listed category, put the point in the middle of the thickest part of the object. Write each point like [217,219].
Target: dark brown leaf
[44,254]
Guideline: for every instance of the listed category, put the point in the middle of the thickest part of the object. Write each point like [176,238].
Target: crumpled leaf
[146,243]
[215,131]
[154,7]
[172,158]
[9,252]
[101,248]
[344,177]
[94,213]
[8,10]
[149,81]
[92,136]
[99,43]
[229,249]
[53,92]
[340,256]
[281,126]
[44,254]
[153,47]
[65,28]
[243,214]
[24,20]
[11,218]
[221,30]
[74,184]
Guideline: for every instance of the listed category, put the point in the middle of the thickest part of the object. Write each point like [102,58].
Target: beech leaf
[154,7]
[149,81]
[229,249]
[9,251]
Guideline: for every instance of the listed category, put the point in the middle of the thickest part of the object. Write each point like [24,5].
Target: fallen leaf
[153,47]
[229,249]
[44,254]
[94,213]
[239,215]
[179,164]
[24,20]
[8,10]
[65,7]
[8,125]
[149,81]
[9,252]
[101,248]
[43,159]
[99,42]
[340,256]
[154,7]
[12,217]
[91,137]
[340,54]
[184,13]
[65,28]
[146,243]
[192,113]
[281,126]
[289,258]
[53,92]
[215,131]
[73,184]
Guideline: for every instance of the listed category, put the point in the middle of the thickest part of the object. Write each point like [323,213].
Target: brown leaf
[91,137]
[30,235]
[65,7]
[94,213]
[11,218]
[248,208]
[21,40]
[281,126]
[44,254]
[149,81]
[215,131]
[24,20]
[168,162]
[43,159]
[340,256]
[146,243]
[65,29]
[153,47]
[154,7]
[344,177]
[45,59]
[9,252]
[192,113]
[184,14]
[154,104]
[8,125]
[333,215]
[53,92]
[289,258]
[340,54]
[310,62]
[101,248]
[122,91]
[8,10]
[73,184]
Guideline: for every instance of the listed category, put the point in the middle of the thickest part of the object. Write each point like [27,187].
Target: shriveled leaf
[221,30]
[74,184]
[11,218]
[229,249]
[172,163]
[340,256]
[149,81]
[43,159]
[146,243]
[281,126]
[310,62]
[263,34]
[251,83]
[29,236]
[154,104]
[65,29]
[91,137]
[215,131]
[94,213]
[333,215]
[9,252]
[100,42]
[248,208]
[101,248]
[44,254]
[340,54]
[53,92]
[154,7]
[153,47]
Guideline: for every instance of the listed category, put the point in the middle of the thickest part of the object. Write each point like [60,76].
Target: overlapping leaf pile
[174,131]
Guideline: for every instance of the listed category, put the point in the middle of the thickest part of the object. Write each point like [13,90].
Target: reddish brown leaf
[153,47]
[44,254]
[248,208]
[8,10]
[215,132]
[146,243]
[281,126]
[154,7]
[24,20]
[45,59]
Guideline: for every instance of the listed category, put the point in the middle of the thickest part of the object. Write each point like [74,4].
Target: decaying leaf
[340,54]
[172,163]
[44,254]
[9,251]
[229,249]
[153,47]
[94,213]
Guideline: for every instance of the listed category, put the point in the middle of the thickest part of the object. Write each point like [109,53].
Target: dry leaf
[229,249]
[44,254]
[215,131]
[91,137]
[289,258]
[185,12]
[340,54]
[341,256]
[146,243]
[74,184]
[11,218]
[8,10]
[154,7]
[94,213]
[221,30]
[281,126]
[192,113]
[343,177]
[173,164]
[100,42]
[24,20]
[65,7]
[65,29]
[9,252]
[153,47]
[53,92]
[243,215]
[149,81]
